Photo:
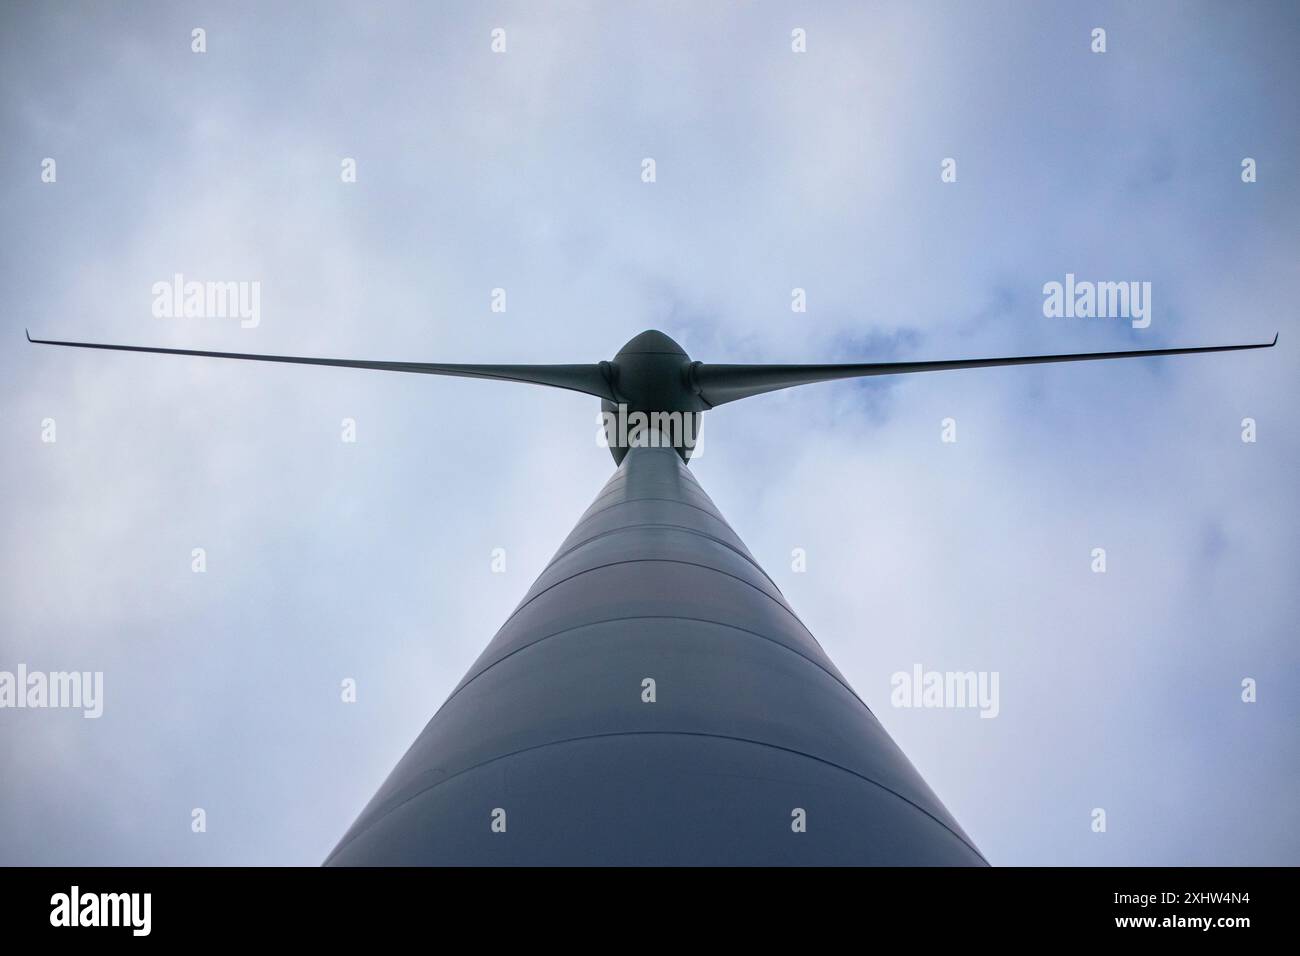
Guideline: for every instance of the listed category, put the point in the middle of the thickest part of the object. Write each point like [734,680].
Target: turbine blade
[719,384]
[588,379]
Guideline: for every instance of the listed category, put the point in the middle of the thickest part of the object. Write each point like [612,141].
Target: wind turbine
[653,699]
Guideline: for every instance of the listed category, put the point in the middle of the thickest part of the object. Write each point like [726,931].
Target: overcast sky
[521,170]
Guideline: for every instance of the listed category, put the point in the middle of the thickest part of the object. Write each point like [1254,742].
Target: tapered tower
[654,699]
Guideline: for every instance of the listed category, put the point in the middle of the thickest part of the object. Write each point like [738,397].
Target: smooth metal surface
[752,720]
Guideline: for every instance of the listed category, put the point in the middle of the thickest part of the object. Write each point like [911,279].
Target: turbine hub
[652,377]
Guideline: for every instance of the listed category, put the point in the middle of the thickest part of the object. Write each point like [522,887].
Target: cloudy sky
[775,170]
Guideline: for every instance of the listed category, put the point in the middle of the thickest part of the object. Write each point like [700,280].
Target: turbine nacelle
[656,398]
